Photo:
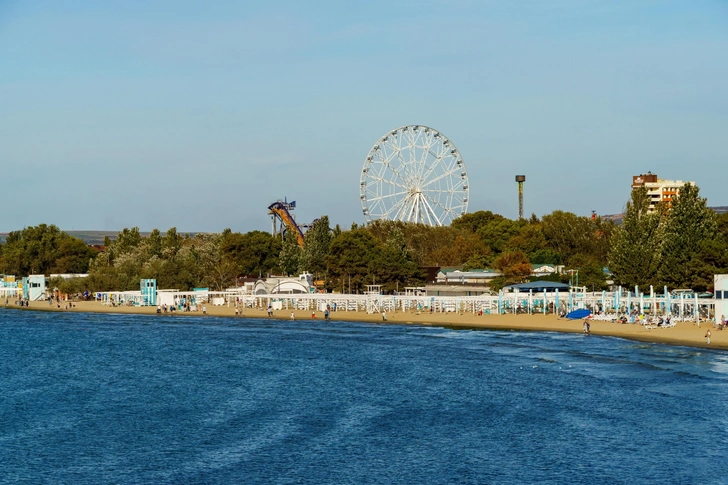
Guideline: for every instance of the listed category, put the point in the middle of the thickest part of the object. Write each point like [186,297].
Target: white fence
[683,307]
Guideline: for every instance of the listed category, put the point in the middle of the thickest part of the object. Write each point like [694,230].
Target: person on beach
[326,314]
[236,311]
[384,316]
[313,315]
[293,316]
[707,335]
[204,310]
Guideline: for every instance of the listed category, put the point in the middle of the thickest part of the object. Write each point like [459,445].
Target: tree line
[681,247]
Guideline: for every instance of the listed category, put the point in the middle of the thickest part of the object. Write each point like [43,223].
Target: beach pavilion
[538,286]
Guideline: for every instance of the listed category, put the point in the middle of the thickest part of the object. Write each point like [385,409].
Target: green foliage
[254,252]
[497,233]
[348,260]
[392,267]
[474,221]
[316,247]
[433,246]
[44,249]
[682,246]
[291,255]
[688,225]
[545,256]
[634,256]
[591,272]
[478,262]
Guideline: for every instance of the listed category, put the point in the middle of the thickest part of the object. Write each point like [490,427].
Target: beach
[683,333]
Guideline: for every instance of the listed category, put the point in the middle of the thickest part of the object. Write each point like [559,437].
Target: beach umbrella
[665,305]
[681,305]
[617,298]
[556,301]
[545,301]
[604,300]
[571,299]
[530,301]
[500,302]
[697,315]
[629,302]
[642,302]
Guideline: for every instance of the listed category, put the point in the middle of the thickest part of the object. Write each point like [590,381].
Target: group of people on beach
[186,307]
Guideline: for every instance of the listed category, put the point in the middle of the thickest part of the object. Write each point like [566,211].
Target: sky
[198,115]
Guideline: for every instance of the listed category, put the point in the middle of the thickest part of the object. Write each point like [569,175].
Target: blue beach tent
[578,314]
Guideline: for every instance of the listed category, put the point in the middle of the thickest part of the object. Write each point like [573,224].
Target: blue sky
[200,114]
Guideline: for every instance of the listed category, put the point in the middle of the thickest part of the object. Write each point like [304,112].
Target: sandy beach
[684,333]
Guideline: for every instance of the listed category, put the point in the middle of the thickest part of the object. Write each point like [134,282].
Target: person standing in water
[707,335]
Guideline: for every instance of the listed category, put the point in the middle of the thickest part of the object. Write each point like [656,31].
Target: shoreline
[687,334]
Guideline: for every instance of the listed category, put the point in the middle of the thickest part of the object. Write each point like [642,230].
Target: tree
[290,255]
[392,266]
[567,233]
[254,252]
[497,233]
[473,221]
[688,225]
[45,249]
[348,260]
[316,246]
[482,261]
[591,272]
[634,255]
[514,266]
[529,239]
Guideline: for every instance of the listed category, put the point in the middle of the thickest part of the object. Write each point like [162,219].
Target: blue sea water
[105,399]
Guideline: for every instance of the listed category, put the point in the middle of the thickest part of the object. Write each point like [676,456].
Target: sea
[147,399]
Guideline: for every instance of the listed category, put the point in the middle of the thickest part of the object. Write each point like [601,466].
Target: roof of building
[477,273]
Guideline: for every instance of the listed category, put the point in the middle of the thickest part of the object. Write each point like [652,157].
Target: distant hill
[95,238]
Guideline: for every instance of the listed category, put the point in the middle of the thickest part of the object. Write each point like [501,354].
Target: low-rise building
[302,283]
[476,276]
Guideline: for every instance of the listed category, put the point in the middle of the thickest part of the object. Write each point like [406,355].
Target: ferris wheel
[414,174]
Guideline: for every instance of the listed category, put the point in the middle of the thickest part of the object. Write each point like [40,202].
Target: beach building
[546,269]
[457,290]
[476,276]
[68,276]
[659,190]
[34,287]
[720,293]
[302,283]
[148,292]
[9,286]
